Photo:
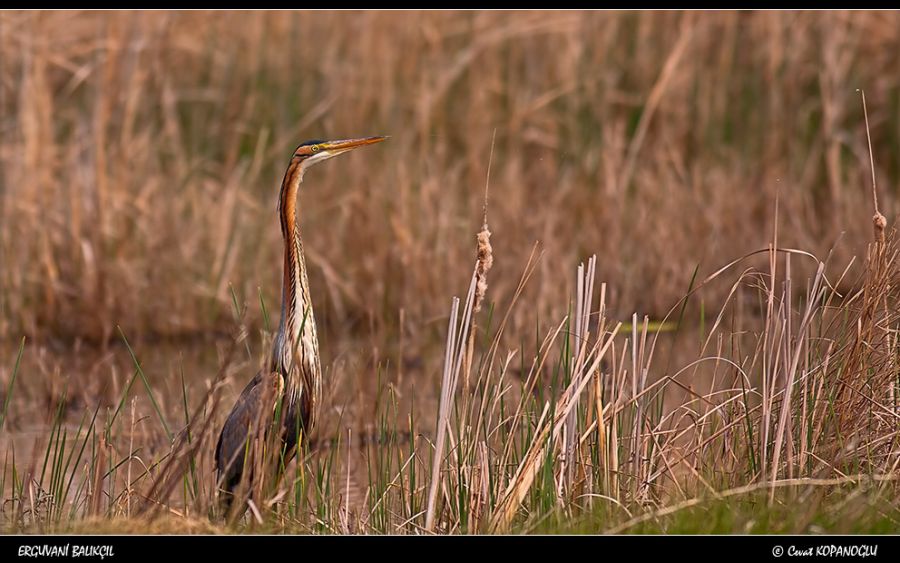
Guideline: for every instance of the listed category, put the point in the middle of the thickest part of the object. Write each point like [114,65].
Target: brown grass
[142,155]
[139,169]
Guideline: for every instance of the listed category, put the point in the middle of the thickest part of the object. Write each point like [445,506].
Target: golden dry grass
[139,167]
[142,154]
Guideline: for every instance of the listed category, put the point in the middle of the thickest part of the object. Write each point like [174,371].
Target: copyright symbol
[777,551]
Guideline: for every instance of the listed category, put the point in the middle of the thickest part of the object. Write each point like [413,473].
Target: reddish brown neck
[294,297]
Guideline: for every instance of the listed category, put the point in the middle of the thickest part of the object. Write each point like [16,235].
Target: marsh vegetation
[683,319]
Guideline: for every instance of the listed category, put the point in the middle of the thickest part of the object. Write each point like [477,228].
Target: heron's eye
[314,149]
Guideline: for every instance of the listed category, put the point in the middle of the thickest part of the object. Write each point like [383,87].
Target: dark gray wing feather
[255,405]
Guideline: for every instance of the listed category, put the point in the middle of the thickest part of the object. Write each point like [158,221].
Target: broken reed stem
[583,299]
[442,414]
[546,434]
[453,364]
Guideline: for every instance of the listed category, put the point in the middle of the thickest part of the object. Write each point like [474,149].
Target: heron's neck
[296,337]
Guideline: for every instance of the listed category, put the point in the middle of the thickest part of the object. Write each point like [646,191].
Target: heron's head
[314,152]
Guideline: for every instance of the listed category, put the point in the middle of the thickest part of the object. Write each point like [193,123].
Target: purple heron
[292,375]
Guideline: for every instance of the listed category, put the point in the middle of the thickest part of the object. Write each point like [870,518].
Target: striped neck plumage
[296,307]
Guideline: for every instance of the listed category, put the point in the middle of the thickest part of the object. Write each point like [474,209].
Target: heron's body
[292,375]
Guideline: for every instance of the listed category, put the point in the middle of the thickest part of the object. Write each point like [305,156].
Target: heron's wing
[254,407]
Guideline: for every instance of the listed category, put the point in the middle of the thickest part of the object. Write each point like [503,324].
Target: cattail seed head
[879,222]
[485,261]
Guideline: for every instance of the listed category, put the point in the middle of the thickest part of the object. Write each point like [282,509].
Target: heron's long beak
[347,144]
[330,149]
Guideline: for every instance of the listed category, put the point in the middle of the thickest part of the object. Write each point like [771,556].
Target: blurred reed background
[142,152]
[140,159]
